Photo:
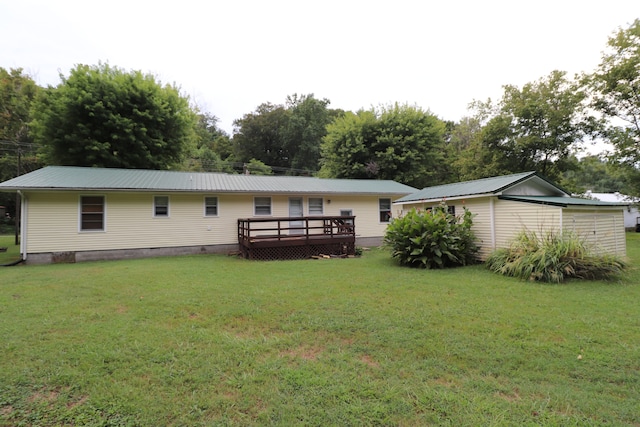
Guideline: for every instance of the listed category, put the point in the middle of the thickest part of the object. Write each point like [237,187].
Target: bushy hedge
[432,238]
[553,257]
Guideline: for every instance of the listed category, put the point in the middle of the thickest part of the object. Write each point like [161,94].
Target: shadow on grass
[12,252]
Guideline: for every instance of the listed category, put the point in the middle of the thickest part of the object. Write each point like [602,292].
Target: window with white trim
[161,206]
[92,213]
[384,207]
[316,206]
[211,206]
[262,206]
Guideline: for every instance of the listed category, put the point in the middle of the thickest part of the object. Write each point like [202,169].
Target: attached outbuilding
[505,205]
[631,215]
[77,213]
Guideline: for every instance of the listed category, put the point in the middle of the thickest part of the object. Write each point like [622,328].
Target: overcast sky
[230,56]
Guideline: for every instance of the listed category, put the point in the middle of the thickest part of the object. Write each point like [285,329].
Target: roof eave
[440,199]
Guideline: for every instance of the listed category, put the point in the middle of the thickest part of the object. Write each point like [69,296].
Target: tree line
[104,116]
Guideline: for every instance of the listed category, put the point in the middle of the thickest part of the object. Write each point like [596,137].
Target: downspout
[23,225]
[492,222]
[23,254]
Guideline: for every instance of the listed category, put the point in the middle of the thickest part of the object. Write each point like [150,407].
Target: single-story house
[505,205]
[631,214]
[80,213]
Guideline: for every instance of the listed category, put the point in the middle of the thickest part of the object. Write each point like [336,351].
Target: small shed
[505,205]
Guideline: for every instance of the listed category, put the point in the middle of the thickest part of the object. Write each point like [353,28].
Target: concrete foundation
[71,257]
[80,256]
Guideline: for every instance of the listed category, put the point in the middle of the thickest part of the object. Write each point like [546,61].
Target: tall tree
[306,128]
[106,117]
[534,128]
[17,92]
[285,136]
[615,87]
[400,142]
[260,135]
[211,150]
[594,173]
[346,147]
[17,153]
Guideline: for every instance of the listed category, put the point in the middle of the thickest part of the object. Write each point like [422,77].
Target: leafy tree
[307,126]
[534,128]
[17,92]
[284,136]
[260,135]
[467,155]
[17,153]
[401,142]
[593,173]
[256,167]
[615,87]
[106,117]
[346,147]
[211,150]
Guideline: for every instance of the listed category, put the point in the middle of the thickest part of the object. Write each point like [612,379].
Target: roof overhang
[443,199]
[563,202]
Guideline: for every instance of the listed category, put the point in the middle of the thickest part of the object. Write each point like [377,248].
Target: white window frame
[321,206]
[255,206]
[380,210]
[206,205]
[104,214]
[155,206]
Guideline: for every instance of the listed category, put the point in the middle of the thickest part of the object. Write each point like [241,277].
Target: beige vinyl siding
[53,220]
[602,229]
[509,218]
[365,209]
[512,217]
[481,223]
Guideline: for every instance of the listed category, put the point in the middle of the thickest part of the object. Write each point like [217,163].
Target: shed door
[296,210]
[597,230]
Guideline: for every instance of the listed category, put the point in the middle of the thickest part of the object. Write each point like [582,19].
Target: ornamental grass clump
[432,238]
[553,257]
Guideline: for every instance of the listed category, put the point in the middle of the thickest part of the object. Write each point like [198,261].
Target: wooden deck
[296,238]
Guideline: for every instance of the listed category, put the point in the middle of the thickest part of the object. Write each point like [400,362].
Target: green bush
[432,238]
[553,257]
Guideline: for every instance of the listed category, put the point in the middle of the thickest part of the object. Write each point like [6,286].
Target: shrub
[432,239]
[552,257]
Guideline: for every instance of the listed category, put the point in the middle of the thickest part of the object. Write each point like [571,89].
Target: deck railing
[284,228]
[310,231]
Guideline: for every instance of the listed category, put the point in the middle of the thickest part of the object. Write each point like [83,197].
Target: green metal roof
[561,201]
[468,188]
[105,179]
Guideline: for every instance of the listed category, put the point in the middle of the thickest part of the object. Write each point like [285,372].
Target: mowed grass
[217,340]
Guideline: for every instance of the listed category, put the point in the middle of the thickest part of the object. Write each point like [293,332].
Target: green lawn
[217,340]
